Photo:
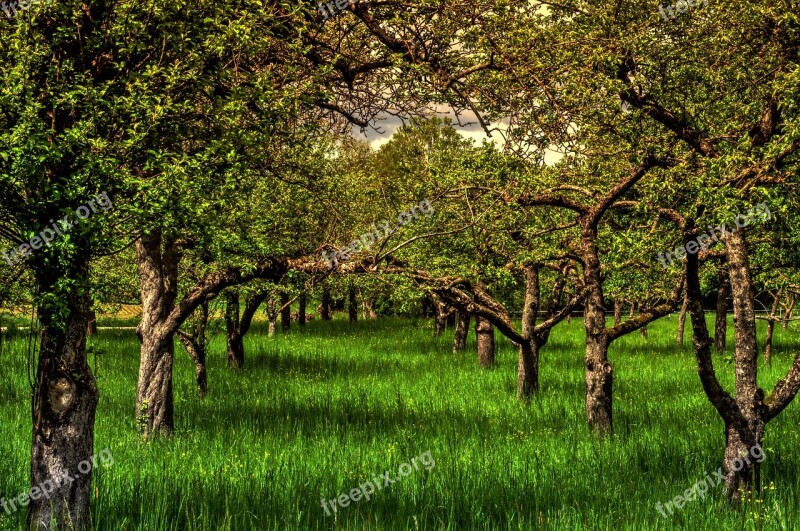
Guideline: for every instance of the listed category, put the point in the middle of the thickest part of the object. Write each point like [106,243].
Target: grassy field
[322,410]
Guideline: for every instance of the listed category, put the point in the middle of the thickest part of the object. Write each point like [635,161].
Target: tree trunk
[528,365]
[721,320]
[462,330]
[195,345]
[325,309]
[440,318]
[528,370]
[273,327]
[286,312]
[599,374]
[352,304]
[64,406]
[91,329]
[301,318]
[369,309]
[617,312]
[484,333]
[158,273]
[788,314]
[235,341]
[749,397]
[682,320]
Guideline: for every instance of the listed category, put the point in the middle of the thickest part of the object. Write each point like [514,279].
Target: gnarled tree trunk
[158,273]
[64,404]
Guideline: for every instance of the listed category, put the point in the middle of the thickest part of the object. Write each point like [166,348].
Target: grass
[320,411]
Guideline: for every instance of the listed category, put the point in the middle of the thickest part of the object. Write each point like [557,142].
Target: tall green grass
[320,410]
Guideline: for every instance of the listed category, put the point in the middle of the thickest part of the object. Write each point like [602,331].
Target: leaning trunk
[484,333]
[462,330]
[64,405]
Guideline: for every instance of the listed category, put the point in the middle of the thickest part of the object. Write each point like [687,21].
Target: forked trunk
[462,330]
[64,405]
[484,333]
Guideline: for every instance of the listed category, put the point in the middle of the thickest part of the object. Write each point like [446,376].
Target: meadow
[320,410]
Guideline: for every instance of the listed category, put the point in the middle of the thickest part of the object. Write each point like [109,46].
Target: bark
[301,317]
[235,342]
[749,397]
[787,316]
[440,317]
[617,312]
[158,274]
[64,405]
[273,327]
[484,333]
[528,366]
[599,374]
[91,329]
[352,304]
[325,308]
[721,320]
[369,311]
[286,312]
[682,320]
[462,330]
[195,345]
